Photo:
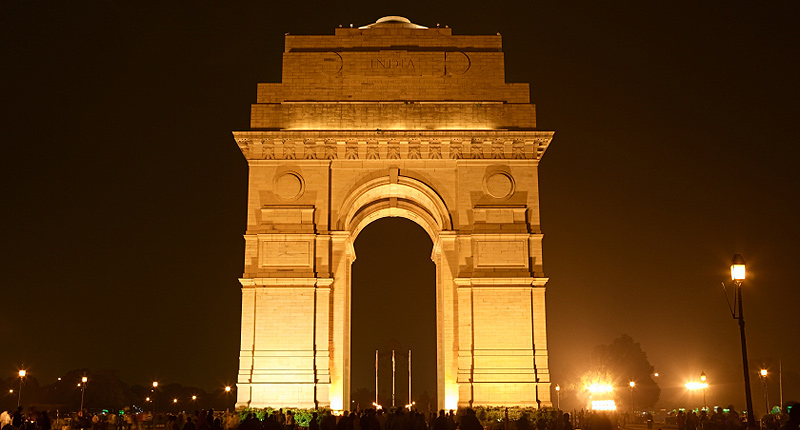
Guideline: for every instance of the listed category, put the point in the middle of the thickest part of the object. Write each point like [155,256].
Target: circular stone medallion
[289,186]
[499,185]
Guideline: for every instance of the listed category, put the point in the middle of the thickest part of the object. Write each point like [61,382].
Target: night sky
[124,193]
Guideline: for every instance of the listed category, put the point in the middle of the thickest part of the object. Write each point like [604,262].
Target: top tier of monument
[393,75]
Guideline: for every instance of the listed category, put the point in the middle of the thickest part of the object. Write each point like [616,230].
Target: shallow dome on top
[393,21]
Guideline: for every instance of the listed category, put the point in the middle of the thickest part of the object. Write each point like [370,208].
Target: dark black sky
[676,146]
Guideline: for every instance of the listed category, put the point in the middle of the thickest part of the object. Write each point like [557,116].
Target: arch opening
[393,307]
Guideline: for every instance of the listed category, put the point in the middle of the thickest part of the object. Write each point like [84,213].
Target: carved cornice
[387,145]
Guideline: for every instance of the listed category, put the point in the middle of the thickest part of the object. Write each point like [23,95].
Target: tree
[620,363]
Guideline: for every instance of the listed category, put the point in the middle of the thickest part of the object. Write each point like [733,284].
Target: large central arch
[358,130]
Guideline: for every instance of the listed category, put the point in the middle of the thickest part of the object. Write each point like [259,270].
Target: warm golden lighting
[632,384]
[194,397]
[764,372]
[79,385]
[737,268]
[228,389]
[146,399]
[703,376]
[600,388]
[696,385]
[155,384]
[656,374]
[604,405]
[174,400]
[558,388]
[377,406]
[11,391]
[22,373]
[84,379]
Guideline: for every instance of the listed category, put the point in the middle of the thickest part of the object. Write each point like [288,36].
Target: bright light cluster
[604,405]
[600,388]
[696,385]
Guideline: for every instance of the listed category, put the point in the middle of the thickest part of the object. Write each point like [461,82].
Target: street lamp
[227,397]
[737,276]
[766,395]
[705,385]
[558,396]
[84,380]
[632,384]
[22,374]
[155,398]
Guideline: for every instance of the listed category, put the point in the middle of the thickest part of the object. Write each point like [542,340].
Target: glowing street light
[84,380]
[22,374]
[705,385]
[155,398]
[194,397]
[766,394]
[558,396]
[632,384]
[737,276]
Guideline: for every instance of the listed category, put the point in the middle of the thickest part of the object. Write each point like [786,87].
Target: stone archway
[437,137]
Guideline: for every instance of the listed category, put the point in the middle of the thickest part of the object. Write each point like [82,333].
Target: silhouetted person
[567,422]
[313,424]
[16,418]
[732,420]
[189,424]
[470,421]
[794,417]
[440,423]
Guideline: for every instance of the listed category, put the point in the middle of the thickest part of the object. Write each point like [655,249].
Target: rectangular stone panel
[501,253]
[296,253]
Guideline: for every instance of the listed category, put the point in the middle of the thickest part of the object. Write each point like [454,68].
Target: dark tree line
[105,390]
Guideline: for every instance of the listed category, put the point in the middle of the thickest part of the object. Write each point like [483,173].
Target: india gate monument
[393,119]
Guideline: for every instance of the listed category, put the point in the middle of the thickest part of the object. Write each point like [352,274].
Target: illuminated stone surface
[393,120]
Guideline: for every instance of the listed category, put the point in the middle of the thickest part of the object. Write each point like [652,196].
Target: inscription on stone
[391,63]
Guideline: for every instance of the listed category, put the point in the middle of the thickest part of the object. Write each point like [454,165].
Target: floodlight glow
[155,384]
[84,379]
[632,384]
[22,373]
[763,372]
[600,388]
[696,385]
[604,405]
[227,388]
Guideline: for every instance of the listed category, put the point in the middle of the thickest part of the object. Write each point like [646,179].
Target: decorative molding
[388,145]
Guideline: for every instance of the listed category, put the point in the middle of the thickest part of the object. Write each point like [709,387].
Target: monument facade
[393,119]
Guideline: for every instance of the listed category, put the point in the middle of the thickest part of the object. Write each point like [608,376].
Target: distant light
[146,399]
[703,376]
[11,391]
[228,389]
[558,388]
[194,397]
[763,372]
[656,374]
[84,379]
[59,379]
[79,385]
[604,405]
[632,384]
[737,268]
[22,373]
[174,400]
[155,384]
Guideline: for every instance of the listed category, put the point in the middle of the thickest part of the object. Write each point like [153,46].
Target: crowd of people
[370,419]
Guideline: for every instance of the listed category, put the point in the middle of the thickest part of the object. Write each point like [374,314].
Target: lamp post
[738,275]
[558,396]
[22,374]
[705,385]
[632,384]
[84,380]
[227,398]
[766,394]
[155,399]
